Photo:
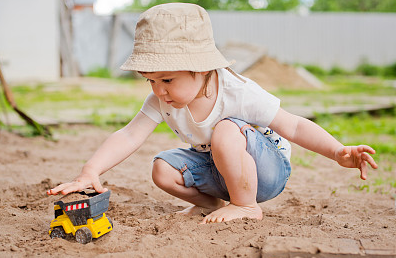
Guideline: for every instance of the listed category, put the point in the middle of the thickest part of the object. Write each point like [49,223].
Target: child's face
[178,88]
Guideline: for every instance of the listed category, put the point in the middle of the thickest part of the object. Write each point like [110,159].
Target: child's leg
[238,169]
[171,181]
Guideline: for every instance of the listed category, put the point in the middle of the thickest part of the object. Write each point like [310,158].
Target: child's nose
[160,91]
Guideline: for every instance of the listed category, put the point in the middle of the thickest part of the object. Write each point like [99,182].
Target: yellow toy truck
[84,219]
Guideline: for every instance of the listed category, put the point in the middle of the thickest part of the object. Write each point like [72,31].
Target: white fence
[323,39]
[29,39]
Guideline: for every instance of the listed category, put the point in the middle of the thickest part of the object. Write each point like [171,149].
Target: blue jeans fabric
[198,168]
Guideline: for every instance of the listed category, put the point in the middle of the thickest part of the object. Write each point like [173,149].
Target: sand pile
[253,62]
[71,197]
[271,75]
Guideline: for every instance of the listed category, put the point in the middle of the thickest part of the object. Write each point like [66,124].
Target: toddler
[239,154]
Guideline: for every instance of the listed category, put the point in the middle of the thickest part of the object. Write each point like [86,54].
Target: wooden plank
[313,112]
[115,28]
[69,64]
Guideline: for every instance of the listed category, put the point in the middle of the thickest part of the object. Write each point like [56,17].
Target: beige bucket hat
[174,37]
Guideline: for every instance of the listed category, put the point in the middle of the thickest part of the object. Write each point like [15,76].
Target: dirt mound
[271,75]
[253,62]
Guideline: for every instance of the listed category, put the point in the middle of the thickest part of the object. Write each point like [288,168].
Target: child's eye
[151,81]
[167,80]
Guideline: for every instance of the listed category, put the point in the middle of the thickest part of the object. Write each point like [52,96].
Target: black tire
[83,235]
[111,222]
[58,232]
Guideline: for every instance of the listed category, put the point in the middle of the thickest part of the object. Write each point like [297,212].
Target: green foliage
[353,86]
[316,70]
[22,130]
[139,5]
[364,68]
[282,5]
[273,5]
[354,6]
[368,69]
[100,72]
[336,70]
[278,5]
[378,132]
[112,119]
[390,70]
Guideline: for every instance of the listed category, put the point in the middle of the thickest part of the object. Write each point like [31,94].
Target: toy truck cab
[84,219]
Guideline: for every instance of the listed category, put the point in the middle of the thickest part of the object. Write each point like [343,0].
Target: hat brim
[156,62]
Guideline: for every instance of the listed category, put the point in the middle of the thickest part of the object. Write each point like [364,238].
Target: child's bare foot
[232,211]
[198,210]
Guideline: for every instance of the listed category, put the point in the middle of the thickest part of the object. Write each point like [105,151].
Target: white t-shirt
[238,97]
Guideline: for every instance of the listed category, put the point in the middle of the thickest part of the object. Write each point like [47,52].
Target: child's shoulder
[232,79]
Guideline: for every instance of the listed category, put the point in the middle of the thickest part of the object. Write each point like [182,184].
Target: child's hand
[83,181]
[356,157]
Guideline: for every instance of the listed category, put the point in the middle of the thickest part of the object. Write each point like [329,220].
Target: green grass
[38,99]
[345,85]
[164,128]
[381,183]
[303,160]
[99,72]
[75,97]
[364,68]
[376,131]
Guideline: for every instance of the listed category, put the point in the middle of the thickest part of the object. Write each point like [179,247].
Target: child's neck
[203,105]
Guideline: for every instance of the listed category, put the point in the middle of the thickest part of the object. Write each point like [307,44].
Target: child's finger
[370,160]
[69,189]
[366,148]
[57,189]
[51,192]
[98,187]
[363,170]
[73,187]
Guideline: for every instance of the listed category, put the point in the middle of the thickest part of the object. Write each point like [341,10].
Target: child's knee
[164,175]
[227,136]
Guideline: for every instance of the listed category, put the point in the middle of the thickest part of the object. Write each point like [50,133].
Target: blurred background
[48,39]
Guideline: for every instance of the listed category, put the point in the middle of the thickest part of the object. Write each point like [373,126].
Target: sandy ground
[318,213]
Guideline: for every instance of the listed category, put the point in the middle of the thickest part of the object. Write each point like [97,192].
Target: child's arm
[313,137]
[115,149]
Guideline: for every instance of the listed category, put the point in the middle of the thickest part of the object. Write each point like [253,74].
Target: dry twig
[41,129]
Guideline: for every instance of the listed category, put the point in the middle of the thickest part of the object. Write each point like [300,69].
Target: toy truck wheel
[83,235]
[58,232]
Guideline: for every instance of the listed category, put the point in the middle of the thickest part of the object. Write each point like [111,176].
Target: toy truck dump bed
[80,211]
[85,219]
